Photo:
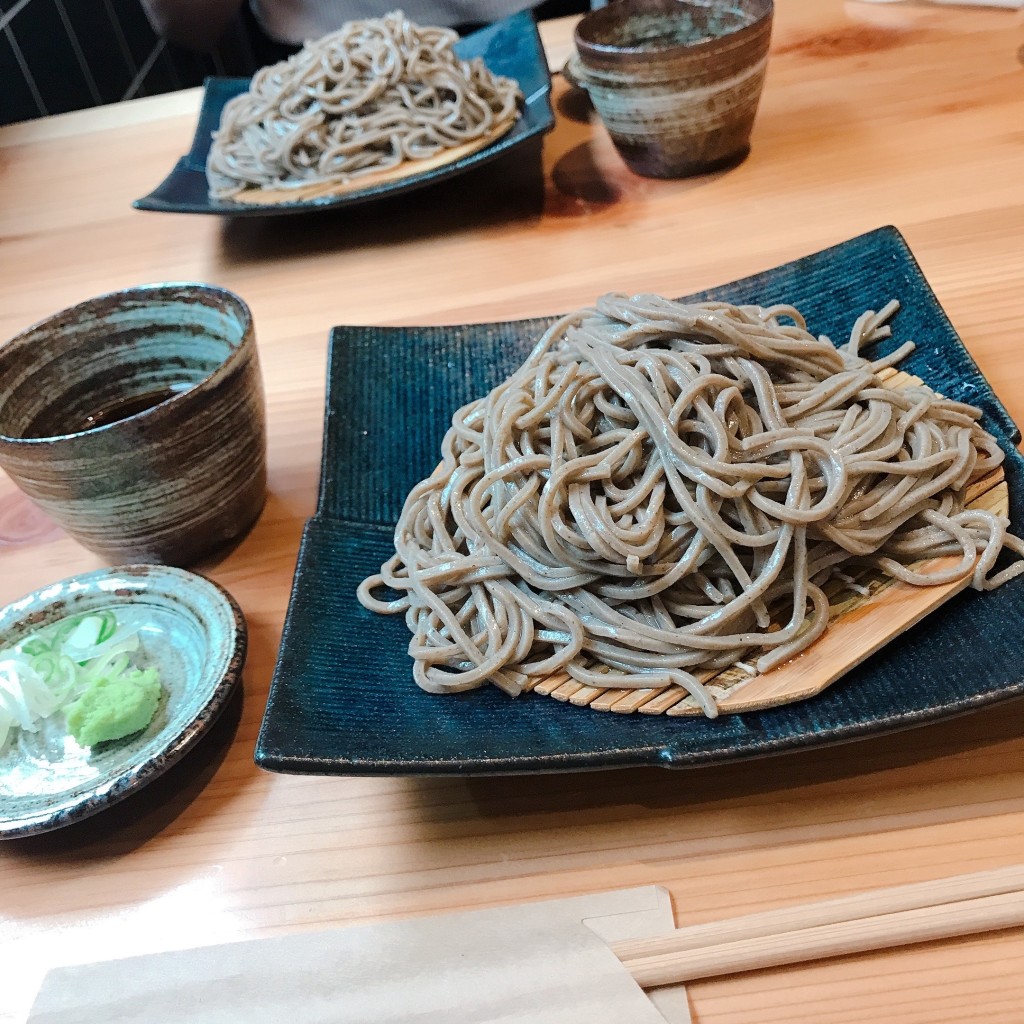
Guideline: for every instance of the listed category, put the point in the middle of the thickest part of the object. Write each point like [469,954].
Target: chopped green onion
[86,634]
[107,627]
[55,668]
[24,697]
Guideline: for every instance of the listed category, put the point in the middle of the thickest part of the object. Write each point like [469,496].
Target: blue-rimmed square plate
[343,700]
[510,47]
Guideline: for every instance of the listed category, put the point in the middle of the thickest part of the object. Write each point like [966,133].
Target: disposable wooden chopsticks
[897,916]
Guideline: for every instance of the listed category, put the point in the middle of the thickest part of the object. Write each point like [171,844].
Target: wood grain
[872,114]
[268,196]
[881,919]
[876,903]
[828,941]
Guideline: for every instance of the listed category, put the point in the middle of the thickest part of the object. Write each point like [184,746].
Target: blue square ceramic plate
[510,47]
[343,699]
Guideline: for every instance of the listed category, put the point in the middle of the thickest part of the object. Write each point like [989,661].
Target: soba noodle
[359,101]
[664,489]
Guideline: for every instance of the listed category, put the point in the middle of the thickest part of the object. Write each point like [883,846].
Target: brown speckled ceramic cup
[136,420]
[676,82]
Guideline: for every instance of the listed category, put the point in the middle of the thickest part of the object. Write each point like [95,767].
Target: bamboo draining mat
[861,621]
[268,196]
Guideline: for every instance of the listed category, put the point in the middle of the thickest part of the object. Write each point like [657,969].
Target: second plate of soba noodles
[380,105]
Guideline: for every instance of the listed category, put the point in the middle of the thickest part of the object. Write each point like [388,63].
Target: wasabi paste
[112,708]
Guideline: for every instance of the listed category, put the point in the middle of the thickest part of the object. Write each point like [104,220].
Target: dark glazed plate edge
[327,711]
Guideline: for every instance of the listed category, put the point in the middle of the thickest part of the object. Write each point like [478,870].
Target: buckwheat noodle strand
[664,489]
[358,101]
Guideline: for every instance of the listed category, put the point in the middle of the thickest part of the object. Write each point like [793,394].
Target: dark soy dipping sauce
[132,405]
[117,410]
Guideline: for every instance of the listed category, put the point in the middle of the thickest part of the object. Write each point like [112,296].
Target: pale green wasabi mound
[111,709]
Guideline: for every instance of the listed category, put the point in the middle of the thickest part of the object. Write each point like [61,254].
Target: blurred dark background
[60,55]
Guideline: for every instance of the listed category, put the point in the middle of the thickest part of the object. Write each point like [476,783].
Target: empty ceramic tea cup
[136,421]
[676,82]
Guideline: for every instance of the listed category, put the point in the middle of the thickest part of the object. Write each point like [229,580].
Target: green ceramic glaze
[191,631]
[676,82]
[170,483]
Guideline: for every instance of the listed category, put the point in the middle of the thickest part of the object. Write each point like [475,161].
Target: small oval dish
[189,629]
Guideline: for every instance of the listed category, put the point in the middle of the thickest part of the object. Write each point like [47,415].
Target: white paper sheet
[535,963]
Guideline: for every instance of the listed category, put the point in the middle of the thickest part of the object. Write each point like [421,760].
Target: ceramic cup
[676,82]
[136,421]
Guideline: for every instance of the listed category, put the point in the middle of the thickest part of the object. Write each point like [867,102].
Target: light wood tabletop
[906,114]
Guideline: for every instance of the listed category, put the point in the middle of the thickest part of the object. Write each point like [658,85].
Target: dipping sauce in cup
[676,82]
[136,421]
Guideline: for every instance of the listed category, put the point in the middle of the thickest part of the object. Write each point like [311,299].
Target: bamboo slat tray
[860,623]
[409,169]
[343,701]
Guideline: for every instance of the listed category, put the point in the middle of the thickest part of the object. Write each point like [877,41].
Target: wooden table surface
[900,114]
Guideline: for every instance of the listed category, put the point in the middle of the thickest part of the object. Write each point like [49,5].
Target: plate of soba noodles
[780,513]
[379,107]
